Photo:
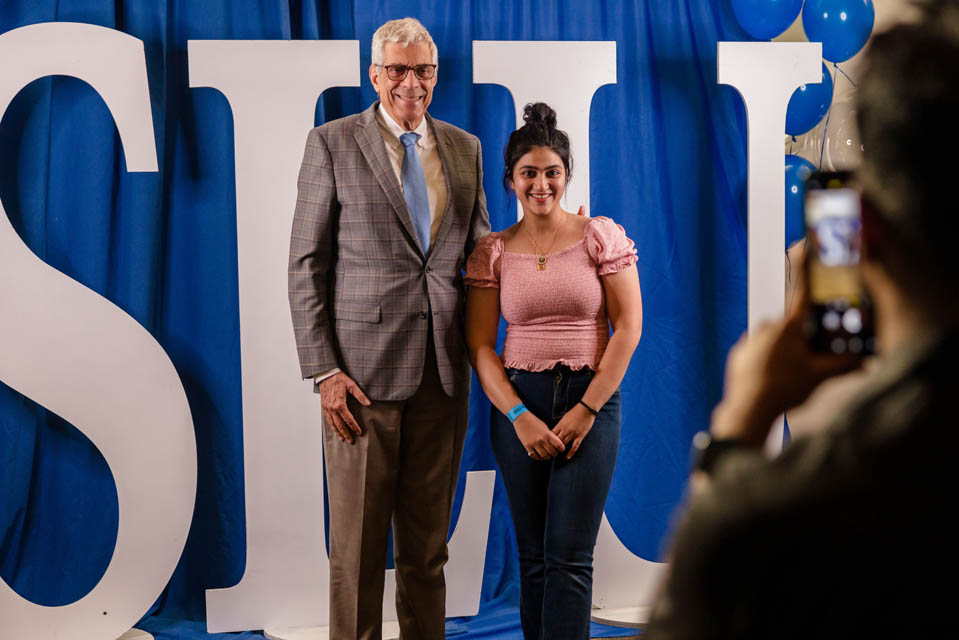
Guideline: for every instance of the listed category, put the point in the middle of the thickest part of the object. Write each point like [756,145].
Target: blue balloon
[808,104]
[766,19]
[842,26]
[797,170]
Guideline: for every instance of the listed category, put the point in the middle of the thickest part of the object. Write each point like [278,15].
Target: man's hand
[540,443]
[573,427]
[333,392]
[770,371]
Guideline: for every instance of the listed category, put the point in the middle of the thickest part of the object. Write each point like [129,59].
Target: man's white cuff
[320,377]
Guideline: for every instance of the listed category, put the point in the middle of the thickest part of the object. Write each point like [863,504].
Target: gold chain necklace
[541,258]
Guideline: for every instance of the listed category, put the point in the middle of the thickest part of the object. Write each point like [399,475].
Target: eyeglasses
[398,71]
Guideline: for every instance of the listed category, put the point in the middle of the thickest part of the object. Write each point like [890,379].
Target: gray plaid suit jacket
[361,291]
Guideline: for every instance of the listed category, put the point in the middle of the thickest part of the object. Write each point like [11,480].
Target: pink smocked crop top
[558,315]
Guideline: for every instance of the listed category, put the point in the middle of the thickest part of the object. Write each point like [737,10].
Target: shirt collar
[395,130]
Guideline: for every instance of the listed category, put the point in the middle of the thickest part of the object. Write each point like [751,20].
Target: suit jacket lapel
[445,148]
[373,147]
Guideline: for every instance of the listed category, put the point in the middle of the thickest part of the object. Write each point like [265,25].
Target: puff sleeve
[483,265]
[608,247]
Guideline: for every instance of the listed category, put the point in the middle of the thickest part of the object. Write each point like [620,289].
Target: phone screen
[841,319]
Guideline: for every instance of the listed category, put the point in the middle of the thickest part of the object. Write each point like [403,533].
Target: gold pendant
[541,263]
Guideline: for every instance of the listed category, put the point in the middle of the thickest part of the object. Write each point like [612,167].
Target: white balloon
[807,146]
[843,146]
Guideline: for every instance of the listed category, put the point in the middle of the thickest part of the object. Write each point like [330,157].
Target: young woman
[559,280]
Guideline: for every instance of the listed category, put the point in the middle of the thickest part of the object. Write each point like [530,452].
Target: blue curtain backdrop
[668,162]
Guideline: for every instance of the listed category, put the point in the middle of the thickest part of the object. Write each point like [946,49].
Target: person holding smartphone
[848,533]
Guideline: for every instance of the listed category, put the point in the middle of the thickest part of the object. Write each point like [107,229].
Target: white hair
[405,31]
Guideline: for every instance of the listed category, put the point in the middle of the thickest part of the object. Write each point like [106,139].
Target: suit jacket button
[422,315]
[429,269]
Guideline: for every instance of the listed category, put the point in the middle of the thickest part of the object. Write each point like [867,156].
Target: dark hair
[539,131]
[908,101]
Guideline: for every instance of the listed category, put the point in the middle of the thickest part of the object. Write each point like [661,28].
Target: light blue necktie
[414,190]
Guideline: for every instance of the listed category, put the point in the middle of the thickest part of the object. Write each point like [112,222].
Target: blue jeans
[557,505]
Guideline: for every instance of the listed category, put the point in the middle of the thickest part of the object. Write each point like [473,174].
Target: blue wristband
[516,412]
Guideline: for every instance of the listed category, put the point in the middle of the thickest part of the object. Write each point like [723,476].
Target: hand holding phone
[840,318]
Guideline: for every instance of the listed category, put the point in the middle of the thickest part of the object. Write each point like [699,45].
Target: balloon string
[828,114]
[851,81]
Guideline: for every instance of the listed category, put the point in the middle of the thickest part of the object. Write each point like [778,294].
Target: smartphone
[840,319]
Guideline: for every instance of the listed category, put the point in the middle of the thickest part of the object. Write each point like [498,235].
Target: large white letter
[83,358]
[766,74]
[272,88]
[586,66]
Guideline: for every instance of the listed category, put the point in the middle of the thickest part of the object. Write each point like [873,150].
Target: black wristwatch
[707,450]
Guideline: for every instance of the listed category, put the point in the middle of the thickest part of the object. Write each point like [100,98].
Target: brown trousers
[404,466]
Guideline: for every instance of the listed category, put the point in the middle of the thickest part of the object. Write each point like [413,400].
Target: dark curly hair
[539,131]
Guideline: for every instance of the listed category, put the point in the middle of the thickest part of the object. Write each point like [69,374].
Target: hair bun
[539,113]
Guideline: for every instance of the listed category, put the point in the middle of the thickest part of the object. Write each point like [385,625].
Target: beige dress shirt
[429,158]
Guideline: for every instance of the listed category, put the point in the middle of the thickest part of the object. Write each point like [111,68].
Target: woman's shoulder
[578,222]
[604,227]
[510,238]
[482,266]
[608,245]
[491,242]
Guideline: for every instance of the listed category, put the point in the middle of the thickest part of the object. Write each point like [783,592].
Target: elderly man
[390,204]
[849,533]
